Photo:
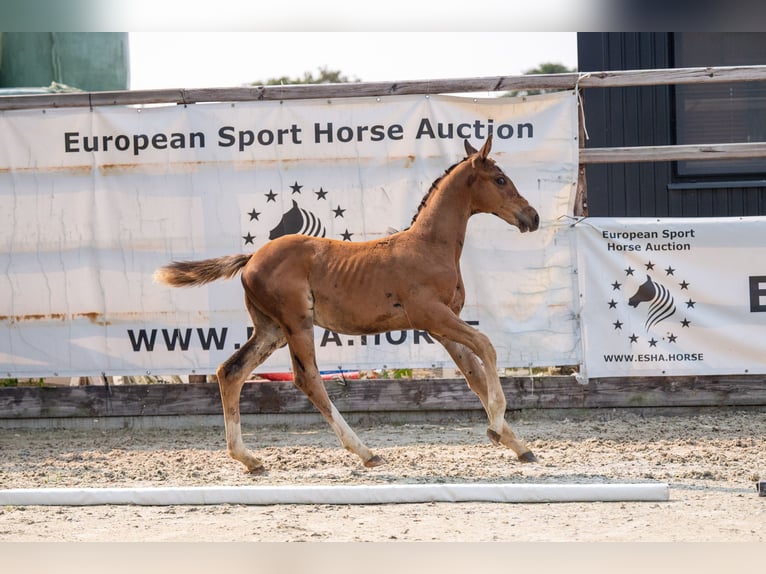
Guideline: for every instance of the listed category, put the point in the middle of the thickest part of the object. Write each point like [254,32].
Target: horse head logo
[661,303]
[298,221]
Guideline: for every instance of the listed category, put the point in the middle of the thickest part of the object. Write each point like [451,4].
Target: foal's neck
[444,217]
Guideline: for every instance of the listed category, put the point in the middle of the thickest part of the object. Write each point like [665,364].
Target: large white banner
[673,296]
[93,201]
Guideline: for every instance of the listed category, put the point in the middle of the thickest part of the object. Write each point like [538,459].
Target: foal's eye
[500,180]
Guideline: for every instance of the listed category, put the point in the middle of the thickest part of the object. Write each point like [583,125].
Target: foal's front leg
[476,357]
[473,371]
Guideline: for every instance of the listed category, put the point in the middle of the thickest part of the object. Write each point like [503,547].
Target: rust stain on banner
[94,317]
[153,168]
[78,170]
[164,168]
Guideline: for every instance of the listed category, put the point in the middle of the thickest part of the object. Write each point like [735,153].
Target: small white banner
[93,201]
[673,296]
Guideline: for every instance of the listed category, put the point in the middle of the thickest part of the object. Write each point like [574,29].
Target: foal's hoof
[373,462]
[256,470]
[493,436]
[527,457]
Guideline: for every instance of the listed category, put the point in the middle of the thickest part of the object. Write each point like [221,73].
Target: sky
[228,59]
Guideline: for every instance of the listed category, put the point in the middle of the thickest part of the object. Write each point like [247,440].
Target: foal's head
[493,192]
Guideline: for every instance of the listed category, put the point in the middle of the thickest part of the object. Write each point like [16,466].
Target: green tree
[324,76]
[544,68]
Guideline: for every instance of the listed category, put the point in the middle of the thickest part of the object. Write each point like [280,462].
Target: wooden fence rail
[371,396]
[672,153]
[378,89]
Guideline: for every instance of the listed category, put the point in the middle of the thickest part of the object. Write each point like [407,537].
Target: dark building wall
[644,116]
[90,61]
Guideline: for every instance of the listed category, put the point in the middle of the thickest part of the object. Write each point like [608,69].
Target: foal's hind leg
[232,374]
[307,379]
[473,372]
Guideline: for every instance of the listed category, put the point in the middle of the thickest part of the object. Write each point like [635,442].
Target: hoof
[527,457]
[256,470]
[373,462]
[493,436]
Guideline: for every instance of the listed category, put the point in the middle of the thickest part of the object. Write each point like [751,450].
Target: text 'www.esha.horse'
[408,280]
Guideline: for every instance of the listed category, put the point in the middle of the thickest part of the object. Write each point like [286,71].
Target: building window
[720,113]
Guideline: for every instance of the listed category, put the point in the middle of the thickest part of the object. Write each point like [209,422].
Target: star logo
[654,299]
[307,213]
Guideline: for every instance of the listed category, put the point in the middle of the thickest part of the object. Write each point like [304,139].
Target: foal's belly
[342,317]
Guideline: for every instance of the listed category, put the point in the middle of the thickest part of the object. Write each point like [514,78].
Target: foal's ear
[469,149]
[486,147]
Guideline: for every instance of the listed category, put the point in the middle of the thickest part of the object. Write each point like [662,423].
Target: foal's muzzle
[529,220]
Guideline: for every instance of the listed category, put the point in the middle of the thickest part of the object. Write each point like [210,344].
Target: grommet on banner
[574,220]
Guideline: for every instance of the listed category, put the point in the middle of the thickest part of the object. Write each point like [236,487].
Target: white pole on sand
[353,494]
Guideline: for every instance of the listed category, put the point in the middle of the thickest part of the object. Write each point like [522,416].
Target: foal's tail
[190,273]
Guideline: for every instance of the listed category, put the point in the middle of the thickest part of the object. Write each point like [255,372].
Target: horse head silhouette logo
[661,303]
[298,221]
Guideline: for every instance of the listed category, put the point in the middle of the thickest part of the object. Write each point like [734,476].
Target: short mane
[434,185]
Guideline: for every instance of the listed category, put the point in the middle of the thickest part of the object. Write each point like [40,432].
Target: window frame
[702,101]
